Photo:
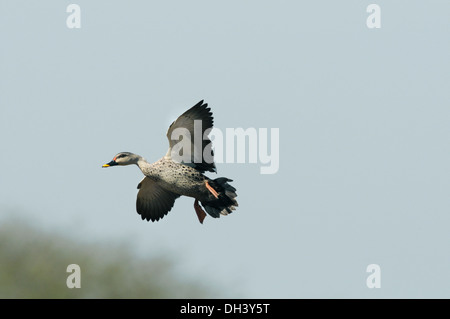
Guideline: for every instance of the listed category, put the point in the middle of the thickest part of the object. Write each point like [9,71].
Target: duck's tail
[225,202]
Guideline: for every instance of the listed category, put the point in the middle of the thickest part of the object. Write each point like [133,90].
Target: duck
[181,172]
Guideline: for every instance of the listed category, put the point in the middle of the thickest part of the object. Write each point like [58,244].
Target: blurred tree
[33,265]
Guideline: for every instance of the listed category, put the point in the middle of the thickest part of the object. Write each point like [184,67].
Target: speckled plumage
[178,178]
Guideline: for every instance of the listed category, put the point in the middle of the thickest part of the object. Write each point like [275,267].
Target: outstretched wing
[153,202]
[195,122]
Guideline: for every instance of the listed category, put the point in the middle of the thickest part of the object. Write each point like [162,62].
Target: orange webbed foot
[212,190]
[200,212]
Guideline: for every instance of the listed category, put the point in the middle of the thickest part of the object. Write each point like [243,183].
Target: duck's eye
[117,157]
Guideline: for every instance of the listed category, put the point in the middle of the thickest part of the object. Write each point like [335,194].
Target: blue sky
[362,116]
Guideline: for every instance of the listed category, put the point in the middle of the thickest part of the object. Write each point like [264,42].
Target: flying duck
[181,171]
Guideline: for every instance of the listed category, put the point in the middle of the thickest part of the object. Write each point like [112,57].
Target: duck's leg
[212,190]
[200,212]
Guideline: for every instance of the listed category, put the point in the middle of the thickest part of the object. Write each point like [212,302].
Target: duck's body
[169,178]
[178,178]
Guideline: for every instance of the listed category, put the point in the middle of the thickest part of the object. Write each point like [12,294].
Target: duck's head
[123,158]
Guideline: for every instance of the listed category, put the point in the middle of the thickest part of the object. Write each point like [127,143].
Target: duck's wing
[153,202]
[194,121]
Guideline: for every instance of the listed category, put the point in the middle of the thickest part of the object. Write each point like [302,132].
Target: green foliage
[33,264]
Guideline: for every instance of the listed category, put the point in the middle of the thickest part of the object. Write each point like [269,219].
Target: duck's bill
[112,163]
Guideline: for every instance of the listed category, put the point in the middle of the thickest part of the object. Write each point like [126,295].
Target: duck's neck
[145,167]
